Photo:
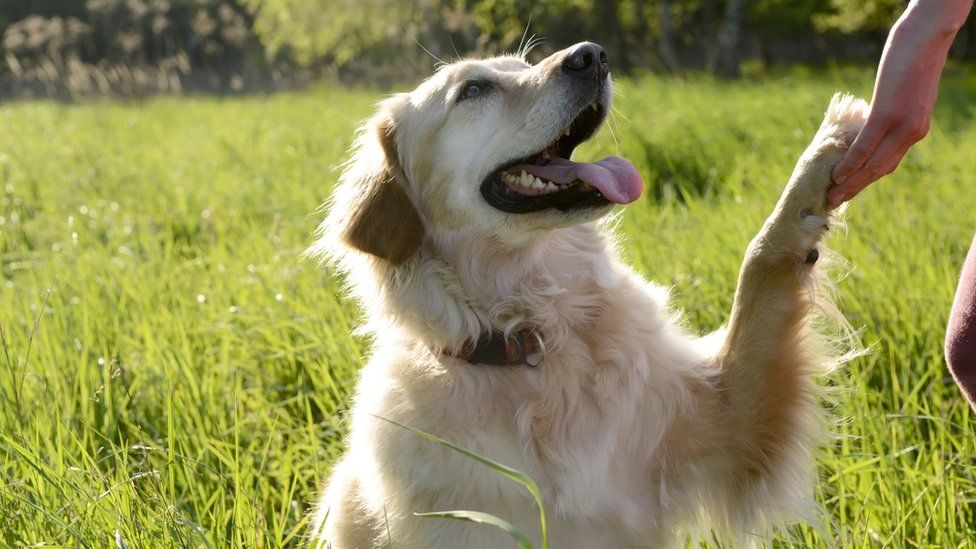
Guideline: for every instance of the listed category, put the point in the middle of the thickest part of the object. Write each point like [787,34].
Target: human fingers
[885,158]
[861,149]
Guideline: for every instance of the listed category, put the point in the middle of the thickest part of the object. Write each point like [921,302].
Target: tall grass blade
[483,518]
[513,474]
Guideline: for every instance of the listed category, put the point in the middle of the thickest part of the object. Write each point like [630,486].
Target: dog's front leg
[768,399]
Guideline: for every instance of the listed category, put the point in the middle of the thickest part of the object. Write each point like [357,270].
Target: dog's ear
[382,219]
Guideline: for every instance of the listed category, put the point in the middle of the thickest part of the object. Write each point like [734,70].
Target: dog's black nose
[588,60]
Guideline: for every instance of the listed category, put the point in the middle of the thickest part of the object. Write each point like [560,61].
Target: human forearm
[904,93]
[932,23]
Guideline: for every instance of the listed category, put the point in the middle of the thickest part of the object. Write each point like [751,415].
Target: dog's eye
[470,90]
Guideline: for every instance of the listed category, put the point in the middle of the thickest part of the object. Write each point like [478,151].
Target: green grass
[173,373]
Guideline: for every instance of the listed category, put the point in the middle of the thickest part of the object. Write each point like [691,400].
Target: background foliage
[66,48]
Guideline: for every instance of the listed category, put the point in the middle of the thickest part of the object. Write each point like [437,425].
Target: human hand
[904,94]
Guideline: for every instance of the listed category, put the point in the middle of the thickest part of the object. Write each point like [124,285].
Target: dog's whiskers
[440,62]
[610,121]
[531,45]
[520,52]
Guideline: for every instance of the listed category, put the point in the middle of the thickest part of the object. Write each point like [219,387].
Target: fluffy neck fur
[465,284]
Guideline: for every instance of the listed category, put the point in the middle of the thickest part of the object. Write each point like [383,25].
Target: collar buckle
[525,347]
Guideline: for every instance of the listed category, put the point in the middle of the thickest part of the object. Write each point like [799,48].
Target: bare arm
[904,94]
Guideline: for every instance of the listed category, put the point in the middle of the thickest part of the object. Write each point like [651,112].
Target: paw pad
[812,256]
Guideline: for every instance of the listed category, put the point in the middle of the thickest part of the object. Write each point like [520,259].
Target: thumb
[838,194]
[861,149]
[853,160]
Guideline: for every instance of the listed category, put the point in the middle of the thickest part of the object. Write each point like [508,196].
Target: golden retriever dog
[504,321]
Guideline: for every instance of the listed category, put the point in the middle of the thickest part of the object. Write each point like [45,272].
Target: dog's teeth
[586,186]
[529,181]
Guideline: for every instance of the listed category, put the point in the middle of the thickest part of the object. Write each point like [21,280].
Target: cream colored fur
[637,432]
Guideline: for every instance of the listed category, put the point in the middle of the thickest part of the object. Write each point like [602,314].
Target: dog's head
[483,145]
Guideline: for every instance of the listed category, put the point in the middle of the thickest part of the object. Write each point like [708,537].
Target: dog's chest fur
[580,424]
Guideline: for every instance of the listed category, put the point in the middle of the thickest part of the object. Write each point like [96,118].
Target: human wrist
[934,22]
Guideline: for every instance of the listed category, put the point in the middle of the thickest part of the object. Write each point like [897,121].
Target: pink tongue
[614,177]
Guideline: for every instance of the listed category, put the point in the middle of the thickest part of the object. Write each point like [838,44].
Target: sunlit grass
[173,373]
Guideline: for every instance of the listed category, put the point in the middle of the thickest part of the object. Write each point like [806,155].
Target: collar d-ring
[539,356]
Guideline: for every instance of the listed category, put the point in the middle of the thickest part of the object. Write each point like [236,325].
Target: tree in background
[117,46]
[129,47]
[339,31]
[669,57]
[663,34]
[860,15]
[724,60]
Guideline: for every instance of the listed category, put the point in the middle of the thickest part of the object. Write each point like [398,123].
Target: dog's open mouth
[549,179]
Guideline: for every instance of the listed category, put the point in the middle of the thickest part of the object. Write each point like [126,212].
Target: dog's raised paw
[807,191]
[803,214]
[843,120]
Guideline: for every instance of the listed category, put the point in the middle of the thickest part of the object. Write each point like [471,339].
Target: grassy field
[172,373]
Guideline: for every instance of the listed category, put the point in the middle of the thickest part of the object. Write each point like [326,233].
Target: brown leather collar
[524,347]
